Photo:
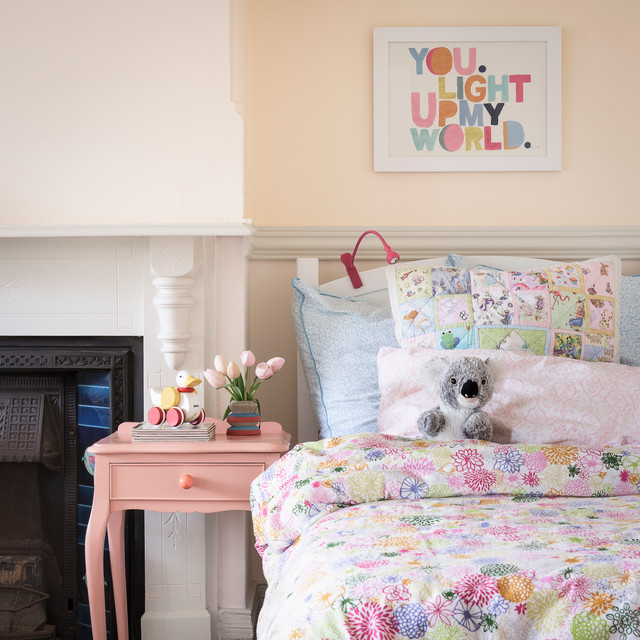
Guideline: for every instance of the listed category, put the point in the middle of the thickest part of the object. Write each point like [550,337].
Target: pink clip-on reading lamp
[348,259]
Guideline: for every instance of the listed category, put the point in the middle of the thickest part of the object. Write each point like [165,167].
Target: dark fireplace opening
[58,395]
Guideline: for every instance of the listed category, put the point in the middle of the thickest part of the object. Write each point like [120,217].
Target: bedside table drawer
[166,481]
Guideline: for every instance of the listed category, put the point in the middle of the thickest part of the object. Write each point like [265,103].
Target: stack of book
[145,432]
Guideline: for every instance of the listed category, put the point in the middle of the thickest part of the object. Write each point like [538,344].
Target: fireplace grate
[22,612]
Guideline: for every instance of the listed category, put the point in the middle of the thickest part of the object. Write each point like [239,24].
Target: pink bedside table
[165,476]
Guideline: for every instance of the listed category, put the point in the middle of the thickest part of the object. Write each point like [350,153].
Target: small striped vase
[243,418]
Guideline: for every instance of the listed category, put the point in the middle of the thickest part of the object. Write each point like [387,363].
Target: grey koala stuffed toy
[465,386]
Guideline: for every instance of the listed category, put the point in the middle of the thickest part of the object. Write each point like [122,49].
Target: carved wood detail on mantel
[171,262]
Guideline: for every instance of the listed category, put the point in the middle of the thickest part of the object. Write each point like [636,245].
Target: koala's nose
[469,389]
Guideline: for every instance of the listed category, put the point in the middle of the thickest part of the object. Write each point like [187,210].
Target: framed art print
[467,98]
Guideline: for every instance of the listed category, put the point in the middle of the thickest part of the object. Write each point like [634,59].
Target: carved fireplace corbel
[171,263]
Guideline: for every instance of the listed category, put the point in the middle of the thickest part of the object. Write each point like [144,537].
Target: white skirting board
[195,625]
[235,624]
[232,624]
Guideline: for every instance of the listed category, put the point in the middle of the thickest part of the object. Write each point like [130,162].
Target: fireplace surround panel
[172,289]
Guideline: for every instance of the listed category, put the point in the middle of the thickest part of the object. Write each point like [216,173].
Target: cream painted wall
[117,113]
[309,118]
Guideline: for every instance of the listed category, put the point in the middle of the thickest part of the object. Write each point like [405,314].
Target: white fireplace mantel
[173,286]
[243,227]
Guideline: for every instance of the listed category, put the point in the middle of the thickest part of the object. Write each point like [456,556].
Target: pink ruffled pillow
[536,399]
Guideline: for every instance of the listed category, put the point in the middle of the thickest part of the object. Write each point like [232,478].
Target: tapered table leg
[115,531]
[94,546]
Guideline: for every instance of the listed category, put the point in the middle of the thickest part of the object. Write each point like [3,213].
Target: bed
[368,531]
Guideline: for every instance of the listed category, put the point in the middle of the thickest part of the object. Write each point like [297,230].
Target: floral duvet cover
[374,537]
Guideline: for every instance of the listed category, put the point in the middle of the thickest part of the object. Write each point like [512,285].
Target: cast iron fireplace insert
[41,460]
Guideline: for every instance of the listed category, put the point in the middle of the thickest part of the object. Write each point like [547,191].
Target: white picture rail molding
[413,242]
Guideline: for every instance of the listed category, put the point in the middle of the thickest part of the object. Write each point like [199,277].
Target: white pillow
[536,399]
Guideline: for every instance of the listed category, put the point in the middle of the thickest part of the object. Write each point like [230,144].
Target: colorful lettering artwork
[467,99]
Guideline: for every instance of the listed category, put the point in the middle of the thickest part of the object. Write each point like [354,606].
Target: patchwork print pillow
[569,310]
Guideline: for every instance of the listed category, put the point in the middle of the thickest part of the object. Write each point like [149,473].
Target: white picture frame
[467,98]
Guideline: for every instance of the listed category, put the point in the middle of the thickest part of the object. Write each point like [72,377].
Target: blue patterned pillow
[338,341]
[630,320]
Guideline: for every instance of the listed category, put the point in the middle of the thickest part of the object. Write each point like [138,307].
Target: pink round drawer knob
[186,481]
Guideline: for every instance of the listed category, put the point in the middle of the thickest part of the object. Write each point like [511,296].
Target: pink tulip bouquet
[227,375]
